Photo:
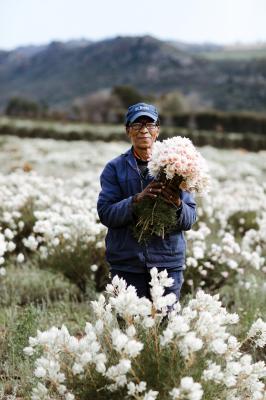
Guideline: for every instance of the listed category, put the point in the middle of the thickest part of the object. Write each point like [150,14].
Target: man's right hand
[151,191]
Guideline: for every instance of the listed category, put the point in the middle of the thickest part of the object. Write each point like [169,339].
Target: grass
[249,302]
[26,284]
[17,324]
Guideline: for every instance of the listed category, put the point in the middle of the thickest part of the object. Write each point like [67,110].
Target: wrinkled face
[143,136]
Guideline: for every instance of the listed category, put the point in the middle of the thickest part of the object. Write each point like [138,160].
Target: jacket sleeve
[187,213]
[113,210]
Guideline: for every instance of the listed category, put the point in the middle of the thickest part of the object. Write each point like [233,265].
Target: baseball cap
[139,110]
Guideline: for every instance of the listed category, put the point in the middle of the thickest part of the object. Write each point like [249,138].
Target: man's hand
[151,191]
[170,194]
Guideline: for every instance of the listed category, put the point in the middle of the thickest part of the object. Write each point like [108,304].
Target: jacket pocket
[171,245]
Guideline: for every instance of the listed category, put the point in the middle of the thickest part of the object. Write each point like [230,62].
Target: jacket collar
[130,158]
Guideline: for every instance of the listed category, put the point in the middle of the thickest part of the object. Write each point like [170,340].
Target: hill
[60,72]
[211,51]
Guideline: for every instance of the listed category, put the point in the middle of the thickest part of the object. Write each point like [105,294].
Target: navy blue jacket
[120,181]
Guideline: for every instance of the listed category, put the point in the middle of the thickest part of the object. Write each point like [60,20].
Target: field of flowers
[60,337]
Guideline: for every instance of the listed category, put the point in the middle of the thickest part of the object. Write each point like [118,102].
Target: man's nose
[144,128]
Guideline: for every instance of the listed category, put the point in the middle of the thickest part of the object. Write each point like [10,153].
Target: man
[124,182]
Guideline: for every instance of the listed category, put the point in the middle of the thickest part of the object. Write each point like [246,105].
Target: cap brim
[143,114]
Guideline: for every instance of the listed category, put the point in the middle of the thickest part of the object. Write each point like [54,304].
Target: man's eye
[136,126]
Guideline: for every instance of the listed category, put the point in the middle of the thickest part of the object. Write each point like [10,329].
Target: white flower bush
[63,211]
[150,351]
[52,219]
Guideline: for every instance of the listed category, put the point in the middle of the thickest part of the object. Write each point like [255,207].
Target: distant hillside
[236,52]
[223,52]
[60,72]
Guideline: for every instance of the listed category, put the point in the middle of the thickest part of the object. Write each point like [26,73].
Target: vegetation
[22,107]
[225,255]
[59,74]
[213,135]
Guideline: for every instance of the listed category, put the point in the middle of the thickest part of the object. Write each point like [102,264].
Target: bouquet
[177,164]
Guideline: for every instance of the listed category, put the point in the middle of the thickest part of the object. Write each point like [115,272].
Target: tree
[172,103]
[97,107]
[128,95]
[20,106]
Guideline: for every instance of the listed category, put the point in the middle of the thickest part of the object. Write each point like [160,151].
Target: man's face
[143,136]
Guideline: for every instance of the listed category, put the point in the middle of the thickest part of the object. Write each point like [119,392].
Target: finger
[169,197]
[155,185]
[171,192]
[167,190]
[167,194]
[156,191]
[151,195]
[166,200]
[153,190]
[172,185]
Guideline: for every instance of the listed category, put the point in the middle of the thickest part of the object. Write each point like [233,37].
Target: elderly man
[125,181]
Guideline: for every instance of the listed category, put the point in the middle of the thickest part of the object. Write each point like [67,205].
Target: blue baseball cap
[139,110]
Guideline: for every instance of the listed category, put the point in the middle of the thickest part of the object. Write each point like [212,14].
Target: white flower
[257,332]
[69,396]
[20,258]
[190,344]
[10,246]
[148,322]
[131,331]
[40,392]
[40,372]
[28,351]
[134,389]
[151,395]
[99,326]
[77,369]
[61,389]
[8,234]
[94,267]
[213,372]
[188,390]
[218,346]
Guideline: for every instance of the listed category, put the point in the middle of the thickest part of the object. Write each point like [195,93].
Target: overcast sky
[24,22]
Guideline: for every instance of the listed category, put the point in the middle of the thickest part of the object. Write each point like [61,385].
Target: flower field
[60,337]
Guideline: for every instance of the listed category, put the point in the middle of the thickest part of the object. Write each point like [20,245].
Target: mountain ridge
[60,72]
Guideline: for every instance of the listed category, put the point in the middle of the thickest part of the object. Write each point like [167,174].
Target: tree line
[109,106]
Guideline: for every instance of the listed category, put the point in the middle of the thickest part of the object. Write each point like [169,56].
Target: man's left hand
[170,196]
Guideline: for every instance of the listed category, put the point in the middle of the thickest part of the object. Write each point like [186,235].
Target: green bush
[75,264]
[242,221]
[27,284]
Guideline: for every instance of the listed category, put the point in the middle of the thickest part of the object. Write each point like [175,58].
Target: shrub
[76,263]
[190,355]
[18,106]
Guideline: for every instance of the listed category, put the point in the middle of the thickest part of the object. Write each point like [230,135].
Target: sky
[24,22]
